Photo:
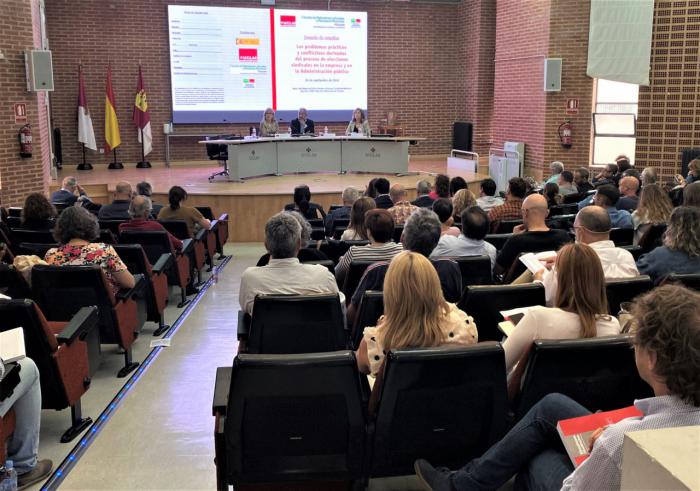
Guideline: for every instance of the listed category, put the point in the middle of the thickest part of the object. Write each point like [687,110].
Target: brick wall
[411,66]
[669,118]
[18,176]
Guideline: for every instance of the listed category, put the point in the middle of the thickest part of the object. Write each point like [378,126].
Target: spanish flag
[112,137]
[141,118]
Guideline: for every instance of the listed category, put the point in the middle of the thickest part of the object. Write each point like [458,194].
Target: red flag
[140,115]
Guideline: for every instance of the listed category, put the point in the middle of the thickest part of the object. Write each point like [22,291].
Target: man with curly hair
[667,352]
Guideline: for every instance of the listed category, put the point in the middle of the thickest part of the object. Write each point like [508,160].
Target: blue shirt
[620,218]
[663,261]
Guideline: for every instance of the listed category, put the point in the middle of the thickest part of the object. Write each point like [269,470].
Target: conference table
[285,154]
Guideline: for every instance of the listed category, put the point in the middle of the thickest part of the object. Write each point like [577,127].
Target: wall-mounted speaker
[552,74]
[462,136]
[39,69]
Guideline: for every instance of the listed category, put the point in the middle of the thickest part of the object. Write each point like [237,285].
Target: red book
[576,433]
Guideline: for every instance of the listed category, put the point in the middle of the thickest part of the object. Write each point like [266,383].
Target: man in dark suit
[383,200]
[302,125]
[119,208]
[66,195]
[423,190]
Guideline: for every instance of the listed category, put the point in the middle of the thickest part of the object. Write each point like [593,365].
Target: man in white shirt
[475,226]
[592,226]
[487,198]
[284,274]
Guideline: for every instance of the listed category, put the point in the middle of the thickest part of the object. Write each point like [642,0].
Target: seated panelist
[302,125]
[268,124]
[358,124]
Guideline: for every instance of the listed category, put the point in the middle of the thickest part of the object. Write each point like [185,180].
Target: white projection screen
[229,64]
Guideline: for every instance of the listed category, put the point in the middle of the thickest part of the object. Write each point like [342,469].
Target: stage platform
[250,203]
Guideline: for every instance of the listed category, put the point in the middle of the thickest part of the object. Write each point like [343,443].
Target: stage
[249,203]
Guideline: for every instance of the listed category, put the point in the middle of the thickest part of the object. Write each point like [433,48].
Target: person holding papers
[268,124]
[302,125]
[358,124]
[667,351]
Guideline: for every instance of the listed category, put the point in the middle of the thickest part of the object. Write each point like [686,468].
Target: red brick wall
[411,60]
[18,176]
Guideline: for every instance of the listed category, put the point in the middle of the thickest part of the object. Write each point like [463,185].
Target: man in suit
[383,200]
[423,190]
[302,125]
[350,194]
[66,195]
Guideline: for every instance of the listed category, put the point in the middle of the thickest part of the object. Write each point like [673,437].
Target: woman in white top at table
[358,124]
[268,124]
[581,306]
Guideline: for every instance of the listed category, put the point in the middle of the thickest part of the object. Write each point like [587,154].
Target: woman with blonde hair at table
[268,123]
[358,124]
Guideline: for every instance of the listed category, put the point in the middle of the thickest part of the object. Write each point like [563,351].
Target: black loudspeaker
[462,136]
[688,155]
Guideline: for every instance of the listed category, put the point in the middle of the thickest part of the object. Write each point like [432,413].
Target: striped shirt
[369,252]
[602,470]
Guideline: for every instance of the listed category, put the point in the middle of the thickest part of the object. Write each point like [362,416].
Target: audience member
[514,200]
[623,165]
[680,252]
[302,203]
[648,176]
[606,176]
[566,183]
[144,189]
[487,198]
[140,211]
[383,200]
[691,194]
[76,229]
[176,211]
[443,209]
[349,195]
[308,252]
[632,172]
[284,274]
[470,242]
[38,213]
[607,196]
[380,231]
[556,168]
[268,124]
[416,314]
[421,235]
[441,187]
[629,187]
[401,209]
[654,208]
[667,353]
[551,193]
[457,183]
[371,191]
[532,236]
[118,209]
[423,192]
[23,445]
[581,176]
[67,194]
[693,171]
[356,229]
[462,200]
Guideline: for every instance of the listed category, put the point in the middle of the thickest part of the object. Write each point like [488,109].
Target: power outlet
[102,150]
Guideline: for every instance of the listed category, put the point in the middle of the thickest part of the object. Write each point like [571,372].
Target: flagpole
[144,164]
[114,164]
[84,165]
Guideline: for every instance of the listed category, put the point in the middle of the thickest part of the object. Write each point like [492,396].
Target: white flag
[86,134]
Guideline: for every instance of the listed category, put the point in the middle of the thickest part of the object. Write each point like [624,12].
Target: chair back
[294,418]
[136,262]
[14,222]
[111,225]
[30,249]
[476,270]
[498,240]
[598,373]
[178,228]
[315,222]
[622,236]
[686,279]
[206,212]
[354,275]
[107,237]
[12,283]
[505,226]
[636,251]
[35,236]
[446,405]
[398,230]
[574,198]
[370,310]
[154,243]
[624,290]
[335,249]
[485,302]
[653,237]
[564,209]
[14,211]
[297,324]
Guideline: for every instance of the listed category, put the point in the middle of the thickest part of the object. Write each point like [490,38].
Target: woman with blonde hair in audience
[654,208]
[462,200]
[356,228]
[580,306]
[268,123]
[416,314]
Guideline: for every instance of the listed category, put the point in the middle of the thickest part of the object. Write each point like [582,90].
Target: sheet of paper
[12,345]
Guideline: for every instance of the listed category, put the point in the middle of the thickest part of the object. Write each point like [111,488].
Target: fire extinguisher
[25,141]
[565,130]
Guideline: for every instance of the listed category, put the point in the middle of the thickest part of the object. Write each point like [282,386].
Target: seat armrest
[80,324]
[214,225]
[126,293]
[221,390]
[187,245]
[223,217]
[163,263]
[201,235]
[243,325]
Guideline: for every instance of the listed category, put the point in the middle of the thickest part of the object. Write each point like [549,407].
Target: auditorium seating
[60,353]
[398,231]
[622,236]
[652,238]
[12,283]
[289,418]
[111,225]
[369,311]
[335,249]
[564,209]
[476,270]
[625,290]
[178,228]
[505,226]
[485,302]
[688,280]
[310,323]
[35,236]
[498,240]
[352,278]
[219,227]
[61,291]
[636,251]
[447,405]
[14,222]
[598,373]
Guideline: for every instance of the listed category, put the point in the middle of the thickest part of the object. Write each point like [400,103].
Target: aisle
[161,437]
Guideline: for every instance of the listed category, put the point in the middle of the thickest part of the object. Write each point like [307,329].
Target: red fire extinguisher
[565,130]
[25,141]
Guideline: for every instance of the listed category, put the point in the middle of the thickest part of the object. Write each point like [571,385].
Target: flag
[112,137]
[141,118]
[86,134]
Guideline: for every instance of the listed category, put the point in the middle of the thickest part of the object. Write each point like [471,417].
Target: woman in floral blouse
[75,230]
